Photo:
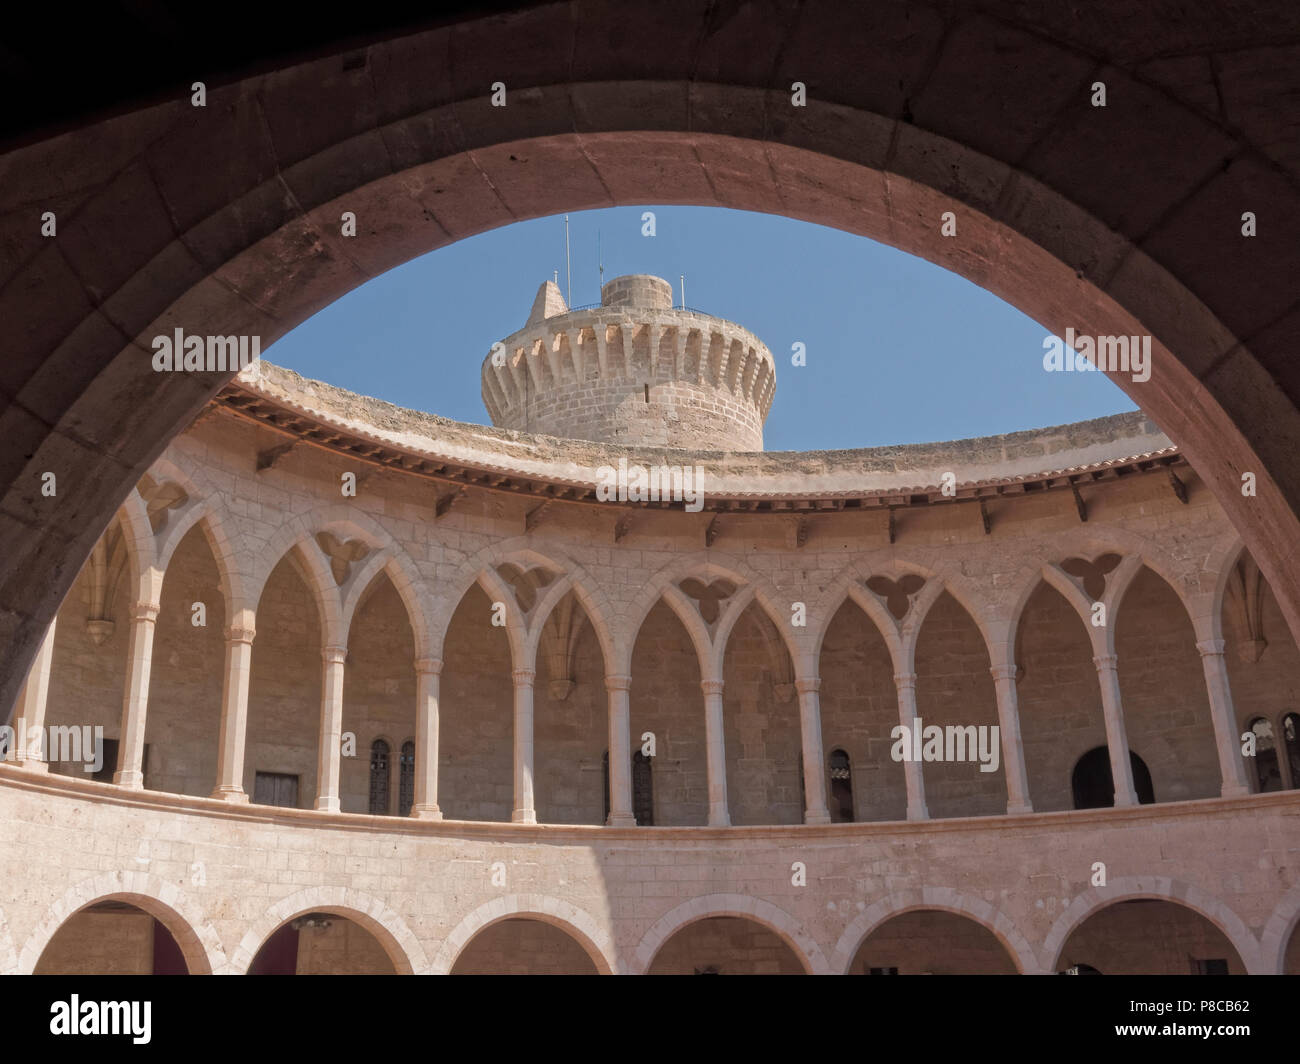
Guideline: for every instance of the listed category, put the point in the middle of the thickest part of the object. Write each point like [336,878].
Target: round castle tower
[633,371]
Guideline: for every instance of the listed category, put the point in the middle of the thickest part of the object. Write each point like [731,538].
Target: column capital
[428,666]
[524,677]
[809,685]
[333,655]
[903,680]
[618,683]
[1211,647]
[712,687]
[1104,662]
[238,634]
[1004,672]
[144,611]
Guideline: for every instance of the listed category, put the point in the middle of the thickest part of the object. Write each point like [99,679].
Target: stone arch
[900,638]
[165,902]
[391,931]
[296,540]
[141,547]
[751,585]
[595,940]
[1276,936]
[411,588]
[1131,888]
[595,602]
[944,899]
[770,916]
[850,149]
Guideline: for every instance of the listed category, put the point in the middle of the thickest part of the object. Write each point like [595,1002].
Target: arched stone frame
[165,902]
[1131,888]
[8,957]
[774,918]
[1276,936]
[943,899]
[595,940]
[710,647]
[388,928]
[868,158]
[481,569]
[296,541]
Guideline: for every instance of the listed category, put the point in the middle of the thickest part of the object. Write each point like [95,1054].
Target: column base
[426,812]
[1019,810]
[231,794]
[918,812]
[31,764]
[816,817]
[327,805]
[131,780]
[1234,790]
[1124,801]
[523,816]
[621,820]
[720,820]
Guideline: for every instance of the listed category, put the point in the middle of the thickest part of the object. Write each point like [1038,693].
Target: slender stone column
[1121,765]
[715,741]
[29,718]
[621,814]
[814,758]
[1013,749]
[905,684]
[524,812]
[428,679]
[328,768]
[1231,765]
[135,704]
[234,711]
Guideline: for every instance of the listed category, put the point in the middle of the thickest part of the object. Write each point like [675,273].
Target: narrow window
[643,796]
[406,779]
[379,778]
[1291,744]
[647,393]
[841,788]
[1268,773]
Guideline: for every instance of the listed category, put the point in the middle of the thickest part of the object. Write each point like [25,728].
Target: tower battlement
[634,370]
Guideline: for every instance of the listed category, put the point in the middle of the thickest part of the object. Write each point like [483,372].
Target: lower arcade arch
[726,945]
[331,940]
[524,945]
[122,934]
[932,942]
[1148,936]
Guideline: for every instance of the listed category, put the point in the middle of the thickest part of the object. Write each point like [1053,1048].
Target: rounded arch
[770,916]
[1276,936]
[861,145]
[944,899]
[1132,888]
[397,940]
[595,940]
[184,920]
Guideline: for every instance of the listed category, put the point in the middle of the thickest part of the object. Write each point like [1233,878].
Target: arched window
[1094,786]
[379,778]
[1268,773]
[1291,745]
[406,779]
[841,788]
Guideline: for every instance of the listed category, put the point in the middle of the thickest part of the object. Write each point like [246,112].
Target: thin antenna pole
[683,277]
[568,267]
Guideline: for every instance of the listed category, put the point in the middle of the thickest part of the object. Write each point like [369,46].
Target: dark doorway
[1094,786]
[841,788]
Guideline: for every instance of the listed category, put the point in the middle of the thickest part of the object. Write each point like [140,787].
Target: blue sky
[898,350]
